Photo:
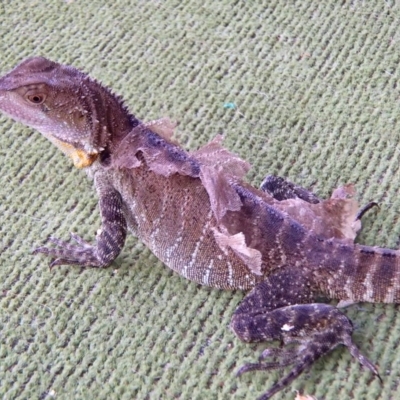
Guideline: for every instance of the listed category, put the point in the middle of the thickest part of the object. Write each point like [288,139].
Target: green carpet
[314,87]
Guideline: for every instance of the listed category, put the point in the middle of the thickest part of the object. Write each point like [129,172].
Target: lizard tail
[361,273]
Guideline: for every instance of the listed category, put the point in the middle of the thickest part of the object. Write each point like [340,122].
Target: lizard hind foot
[302,358]
[310,330]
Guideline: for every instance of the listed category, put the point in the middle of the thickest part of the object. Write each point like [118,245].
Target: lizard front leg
[281,308]
[109,240]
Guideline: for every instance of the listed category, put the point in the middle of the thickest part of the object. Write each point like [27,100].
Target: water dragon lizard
[197,214]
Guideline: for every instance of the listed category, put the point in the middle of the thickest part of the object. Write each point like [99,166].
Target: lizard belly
[173,217]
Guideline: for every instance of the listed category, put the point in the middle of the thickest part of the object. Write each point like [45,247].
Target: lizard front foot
[65,253]
[109,240]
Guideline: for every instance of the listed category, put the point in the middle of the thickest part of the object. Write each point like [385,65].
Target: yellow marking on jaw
[80,158]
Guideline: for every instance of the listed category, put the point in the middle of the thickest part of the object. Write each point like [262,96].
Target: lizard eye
[36,98]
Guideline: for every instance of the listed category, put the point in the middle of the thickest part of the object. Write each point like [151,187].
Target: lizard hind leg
[281,189]
[272,311]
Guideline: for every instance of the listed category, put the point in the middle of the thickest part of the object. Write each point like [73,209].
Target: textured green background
[316,89]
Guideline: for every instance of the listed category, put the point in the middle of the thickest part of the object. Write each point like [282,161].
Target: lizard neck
[110,119]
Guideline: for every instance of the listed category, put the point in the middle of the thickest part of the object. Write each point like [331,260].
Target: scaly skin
[194,211]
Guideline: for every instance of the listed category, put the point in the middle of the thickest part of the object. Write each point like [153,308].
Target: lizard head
[73,111]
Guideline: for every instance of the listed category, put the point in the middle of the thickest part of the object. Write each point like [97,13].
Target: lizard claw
[56,241]
[56,262]
[74,236]
[260,367]
[266,353]
[365,208]
[278,352]
[79,240]
[50,252]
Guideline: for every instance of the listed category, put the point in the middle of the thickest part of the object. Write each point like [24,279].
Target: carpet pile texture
[302,89]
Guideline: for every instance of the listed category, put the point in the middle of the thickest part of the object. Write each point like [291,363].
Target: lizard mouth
[79,157]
